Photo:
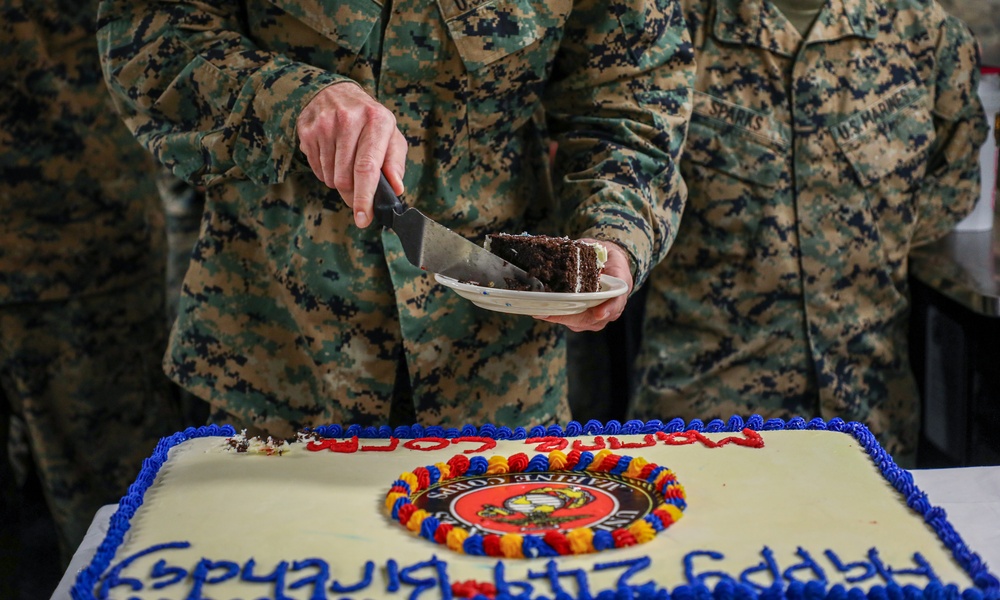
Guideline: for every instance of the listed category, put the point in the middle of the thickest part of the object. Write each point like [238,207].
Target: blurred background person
[83,398]
[828,138]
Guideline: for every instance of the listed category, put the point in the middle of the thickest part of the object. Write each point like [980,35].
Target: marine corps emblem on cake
[538,502]
[555,504]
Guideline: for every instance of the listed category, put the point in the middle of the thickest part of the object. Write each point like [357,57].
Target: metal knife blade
[435,248]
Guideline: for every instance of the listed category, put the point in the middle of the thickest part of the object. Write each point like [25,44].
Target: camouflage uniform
[291,315]
[82,323]
[813,168]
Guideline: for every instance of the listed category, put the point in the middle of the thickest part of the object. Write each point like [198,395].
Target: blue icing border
[87,579]
[987,584]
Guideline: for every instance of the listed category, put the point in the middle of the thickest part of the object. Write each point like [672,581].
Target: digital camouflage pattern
[84,377]
[82,323]
[78,213]
[812,172]
[291,315]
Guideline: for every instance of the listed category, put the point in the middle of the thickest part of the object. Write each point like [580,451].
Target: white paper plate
[537,304]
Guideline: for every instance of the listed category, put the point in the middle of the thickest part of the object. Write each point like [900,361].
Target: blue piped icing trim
[121,520]
[987,584]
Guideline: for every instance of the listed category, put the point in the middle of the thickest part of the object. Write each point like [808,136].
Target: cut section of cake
[560,263]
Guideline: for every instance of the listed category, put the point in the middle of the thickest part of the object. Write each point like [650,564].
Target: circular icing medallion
[537,502]
[550,505]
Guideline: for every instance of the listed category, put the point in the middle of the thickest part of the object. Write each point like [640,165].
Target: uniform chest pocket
[507,47]
[347,23]
[733,176]
[734,151]
[890,140]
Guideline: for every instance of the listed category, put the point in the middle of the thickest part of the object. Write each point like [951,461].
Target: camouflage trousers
[83,398]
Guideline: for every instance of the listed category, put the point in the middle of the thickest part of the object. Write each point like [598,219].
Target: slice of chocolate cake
[562,264]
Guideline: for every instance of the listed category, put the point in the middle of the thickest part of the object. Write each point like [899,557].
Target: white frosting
[804,490]
[579,269]
[602,254]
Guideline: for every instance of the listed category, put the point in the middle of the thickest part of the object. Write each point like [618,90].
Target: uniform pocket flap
[488,31]
[893,134]
[346,22]
[734,151]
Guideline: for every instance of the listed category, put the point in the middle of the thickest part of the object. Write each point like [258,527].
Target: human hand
[348,138]
[597,317]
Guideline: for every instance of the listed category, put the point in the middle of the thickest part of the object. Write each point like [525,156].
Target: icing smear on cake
[243,444]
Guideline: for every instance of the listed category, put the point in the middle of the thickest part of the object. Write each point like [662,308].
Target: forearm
[620,116]
[199,95]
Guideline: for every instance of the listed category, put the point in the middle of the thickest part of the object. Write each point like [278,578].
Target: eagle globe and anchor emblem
[534,503]
[539,508]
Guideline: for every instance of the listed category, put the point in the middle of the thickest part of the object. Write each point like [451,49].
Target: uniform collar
[758,23]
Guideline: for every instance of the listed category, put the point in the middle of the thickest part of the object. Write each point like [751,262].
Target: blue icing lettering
[807,564]
[202,572]
[506,588]
[277,577]
[923,568]
[552,574]
[632,566]
[769,564]
[113,579]
[853,572]
[317,580]
[440,581]
[173,574]
[366,581]
[699,579]
[392,576]
[869,569]
[803,578]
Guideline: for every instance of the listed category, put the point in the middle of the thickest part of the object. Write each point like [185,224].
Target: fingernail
[361,218]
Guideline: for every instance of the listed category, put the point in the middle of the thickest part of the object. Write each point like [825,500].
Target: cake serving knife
[435,248]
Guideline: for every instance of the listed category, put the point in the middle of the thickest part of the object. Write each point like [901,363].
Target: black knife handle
[386,202]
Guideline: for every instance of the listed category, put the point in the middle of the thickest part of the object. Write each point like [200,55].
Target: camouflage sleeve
[951,187]
[618,104]
[198,94]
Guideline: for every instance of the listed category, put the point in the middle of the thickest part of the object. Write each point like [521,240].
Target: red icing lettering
[683,438]
[346,447]
[646,442]
[548,443]
[437,444]
[751,439]
[317,445]
[486,443]
[598,445]
[393,442]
